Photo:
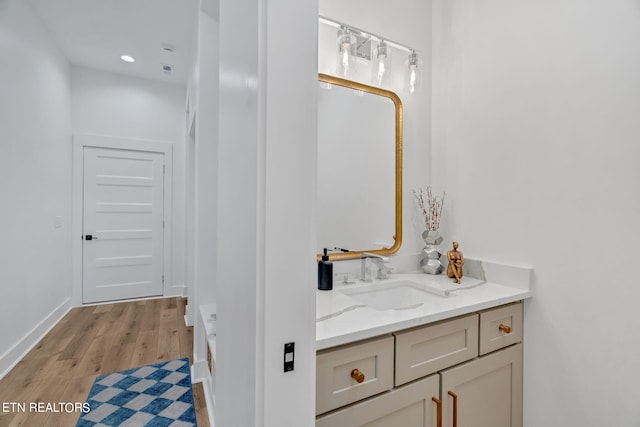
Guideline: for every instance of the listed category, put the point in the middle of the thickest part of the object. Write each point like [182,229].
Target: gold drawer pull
[455,408]
[504,328]
[357,375]
[438,411]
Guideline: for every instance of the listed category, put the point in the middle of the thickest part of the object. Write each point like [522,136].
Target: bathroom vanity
[402,349]
[416,351]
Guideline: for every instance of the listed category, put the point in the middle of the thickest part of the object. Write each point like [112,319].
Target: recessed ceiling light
[127,58]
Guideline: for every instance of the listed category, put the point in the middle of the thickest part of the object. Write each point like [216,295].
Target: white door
[123,220]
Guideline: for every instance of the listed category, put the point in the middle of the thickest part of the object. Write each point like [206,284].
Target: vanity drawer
[420,352]
[410,405]
[500,327]
[335,386]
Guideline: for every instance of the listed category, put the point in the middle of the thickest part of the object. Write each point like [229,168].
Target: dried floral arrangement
[431,207]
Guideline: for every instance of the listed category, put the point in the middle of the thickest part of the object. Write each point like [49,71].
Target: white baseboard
[22,347]
[175,291]
[187,321]
[118,301]
[200,374]
[211,404]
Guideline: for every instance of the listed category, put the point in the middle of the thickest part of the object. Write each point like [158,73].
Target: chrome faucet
[379,261]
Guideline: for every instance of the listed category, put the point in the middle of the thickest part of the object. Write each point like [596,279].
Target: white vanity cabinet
[460,372]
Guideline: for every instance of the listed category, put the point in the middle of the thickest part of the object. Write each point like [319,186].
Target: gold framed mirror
[390,178]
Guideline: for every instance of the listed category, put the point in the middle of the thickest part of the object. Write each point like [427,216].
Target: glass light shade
[345,59]
[380,64]
[414,73]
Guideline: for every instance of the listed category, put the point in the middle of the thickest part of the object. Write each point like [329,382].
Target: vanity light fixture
[345,63]
[127,58]
[413,72]
[374,51]
[381,66]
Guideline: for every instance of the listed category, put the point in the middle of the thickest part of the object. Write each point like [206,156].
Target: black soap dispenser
[325,273]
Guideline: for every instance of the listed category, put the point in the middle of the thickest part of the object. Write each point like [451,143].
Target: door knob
[90,237]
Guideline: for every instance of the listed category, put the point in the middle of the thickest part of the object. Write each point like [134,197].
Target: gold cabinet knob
[504,328]
[357,375]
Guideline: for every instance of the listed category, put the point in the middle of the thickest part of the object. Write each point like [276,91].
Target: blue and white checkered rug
[153,395]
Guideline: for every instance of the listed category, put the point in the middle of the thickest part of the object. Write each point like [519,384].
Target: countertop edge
[364,334]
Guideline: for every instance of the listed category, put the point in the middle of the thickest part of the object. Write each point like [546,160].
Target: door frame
[79,142]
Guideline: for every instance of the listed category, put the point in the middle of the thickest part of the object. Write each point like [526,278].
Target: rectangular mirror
[359,168]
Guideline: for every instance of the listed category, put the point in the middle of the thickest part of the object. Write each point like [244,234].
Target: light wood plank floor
[92,341]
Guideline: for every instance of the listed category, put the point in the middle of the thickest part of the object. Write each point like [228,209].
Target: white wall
[535,137]
[105,103]
[205,95]
[266,230]
[190,172]
[289,229]
[206,158]
[406,22]
[35,154]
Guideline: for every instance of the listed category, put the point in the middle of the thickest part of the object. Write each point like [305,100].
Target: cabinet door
[408,406]
[488,390]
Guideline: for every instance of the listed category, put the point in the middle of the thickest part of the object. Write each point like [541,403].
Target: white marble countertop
[341,318]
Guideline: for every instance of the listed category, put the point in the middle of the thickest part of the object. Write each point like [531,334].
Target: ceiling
[95,33]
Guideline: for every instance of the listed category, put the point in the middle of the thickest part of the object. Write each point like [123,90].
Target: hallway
[92,341]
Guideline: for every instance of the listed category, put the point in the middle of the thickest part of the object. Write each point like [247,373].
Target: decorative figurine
[456,261]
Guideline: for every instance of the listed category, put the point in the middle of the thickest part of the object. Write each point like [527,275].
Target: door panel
[488,389]
[123,212]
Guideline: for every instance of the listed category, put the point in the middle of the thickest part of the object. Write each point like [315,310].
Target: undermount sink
[401,295]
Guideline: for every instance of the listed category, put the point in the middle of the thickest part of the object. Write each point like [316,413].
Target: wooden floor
[92,341]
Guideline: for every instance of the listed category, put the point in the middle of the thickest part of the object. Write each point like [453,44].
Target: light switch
[289,350]
[57,222]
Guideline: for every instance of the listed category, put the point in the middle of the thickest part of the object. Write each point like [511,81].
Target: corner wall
[35,156]
[203,168]
[266,230]
[535,138]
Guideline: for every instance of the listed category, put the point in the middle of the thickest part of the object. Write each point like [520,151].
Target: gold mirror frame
[398,166]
